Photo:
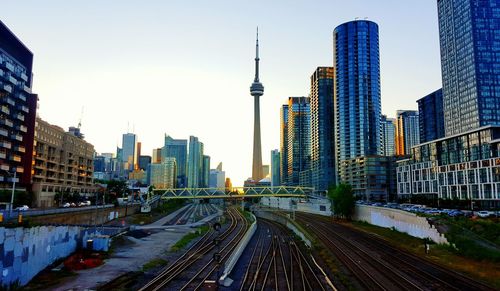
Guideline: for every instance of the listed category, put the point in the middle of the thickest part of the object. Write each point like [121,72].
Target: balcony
[15,158]
[20,116]
[17,137]
[4,109]
[4,132]
[5,144]
[22,97]
[9,67]
[4,167]
[3,155]
[10,101]
[20,149]
[24,77]
[6,122]
[22,128]
[24,108]
[11,80]
[27,89]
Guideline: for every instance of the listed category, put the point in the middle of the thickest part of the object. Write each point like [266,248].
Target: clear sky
[185,67]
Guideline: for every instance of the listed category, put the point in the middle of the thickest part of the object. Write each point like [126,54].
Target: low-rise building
[62,162]
[464,166]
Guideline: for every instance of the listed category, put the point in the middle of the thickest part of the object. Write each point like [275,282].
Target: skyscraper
[388,136]
[407,131]
[177,148]
[257,90]
[322,129]
[275,168]
[156,159]
[299,139]
[470,63]
[144,162]
[357,90]
[205,172]
[284,145]
[17,111]
[217,178]
[195,162]
[129,151]
[431,116]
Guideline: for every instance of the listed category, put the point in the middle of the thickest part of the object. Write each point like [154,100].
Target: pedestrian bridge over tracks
[234,193]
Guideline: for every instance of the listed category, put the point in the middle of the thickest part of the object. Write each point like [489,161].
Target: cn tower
[257,90]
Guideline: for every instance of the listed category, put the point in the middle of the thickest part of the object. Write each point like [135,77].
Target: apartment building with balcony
[17,111]
[62,161]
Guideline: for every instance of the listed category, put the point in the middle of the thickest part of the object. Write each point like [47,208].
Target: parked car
[485,214]
[455,213]
[22,208]
[66,205]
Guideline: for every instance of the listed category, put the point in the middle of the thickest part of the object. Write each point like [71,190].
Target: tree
[117,187]
[342,199]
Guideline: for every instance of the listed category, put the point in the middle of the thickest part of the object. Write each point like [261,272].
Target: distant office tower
[17,111]
[357,90]
[388,136]
[137,155]
[177,148]
[470,63]
[299,139]
[99,164]
[163,175]
[144,162]
[217,178]
[205,170]
[284,145]
[156,159]
[219,166]
[229,185]
[129,151]
[257,90]
[322,129]
[195,162]
[275,168]
[407,131]
[266,170]
[431,116]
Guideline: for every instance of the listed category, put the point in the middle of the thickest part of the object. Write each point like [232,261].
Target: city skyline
[129,77]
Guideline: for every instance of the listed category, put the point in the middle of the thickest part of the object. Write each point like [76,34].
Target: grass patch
[466,245]
[443,255]
[155,263]
[185,240]
[248,216]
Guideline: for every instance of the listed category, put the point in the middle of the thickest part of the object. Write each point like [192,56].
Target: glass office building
[388,136]
[275,168]
[407,131]
[357,90]
[322,129]
[195,163]
[177,148]
[431,116]
[299,139]
[284,145]
[469,34]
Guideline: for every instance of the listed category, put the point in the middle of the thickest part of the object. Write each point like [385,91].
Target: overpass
[235,192]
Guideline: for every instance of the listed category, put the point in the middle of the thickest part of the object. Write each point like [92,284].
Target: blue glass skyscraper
[177,148]
[322,129]
[469,34]
[431,116]
[357,90]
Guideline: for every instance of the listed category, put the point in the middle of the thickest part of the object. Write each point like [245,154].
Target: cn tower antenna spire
[257,57]
[257,90]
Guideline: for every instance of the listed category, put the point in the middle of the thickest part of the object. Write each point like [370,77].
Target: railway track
[379,266]
[185,273]
[278,263]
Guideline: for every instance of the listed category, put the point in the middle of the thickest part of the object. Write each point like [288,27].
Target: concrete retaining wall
[236,254]
[284,221]
[88,217]
[402,221]
[24,252]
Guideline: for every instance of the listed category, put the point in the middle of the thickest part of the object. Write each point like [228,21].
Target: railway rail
[185,273]
[379,266]
[278,263]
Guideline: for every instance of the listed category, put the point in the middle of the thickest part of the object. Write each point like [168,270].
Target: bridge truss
[235,192]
